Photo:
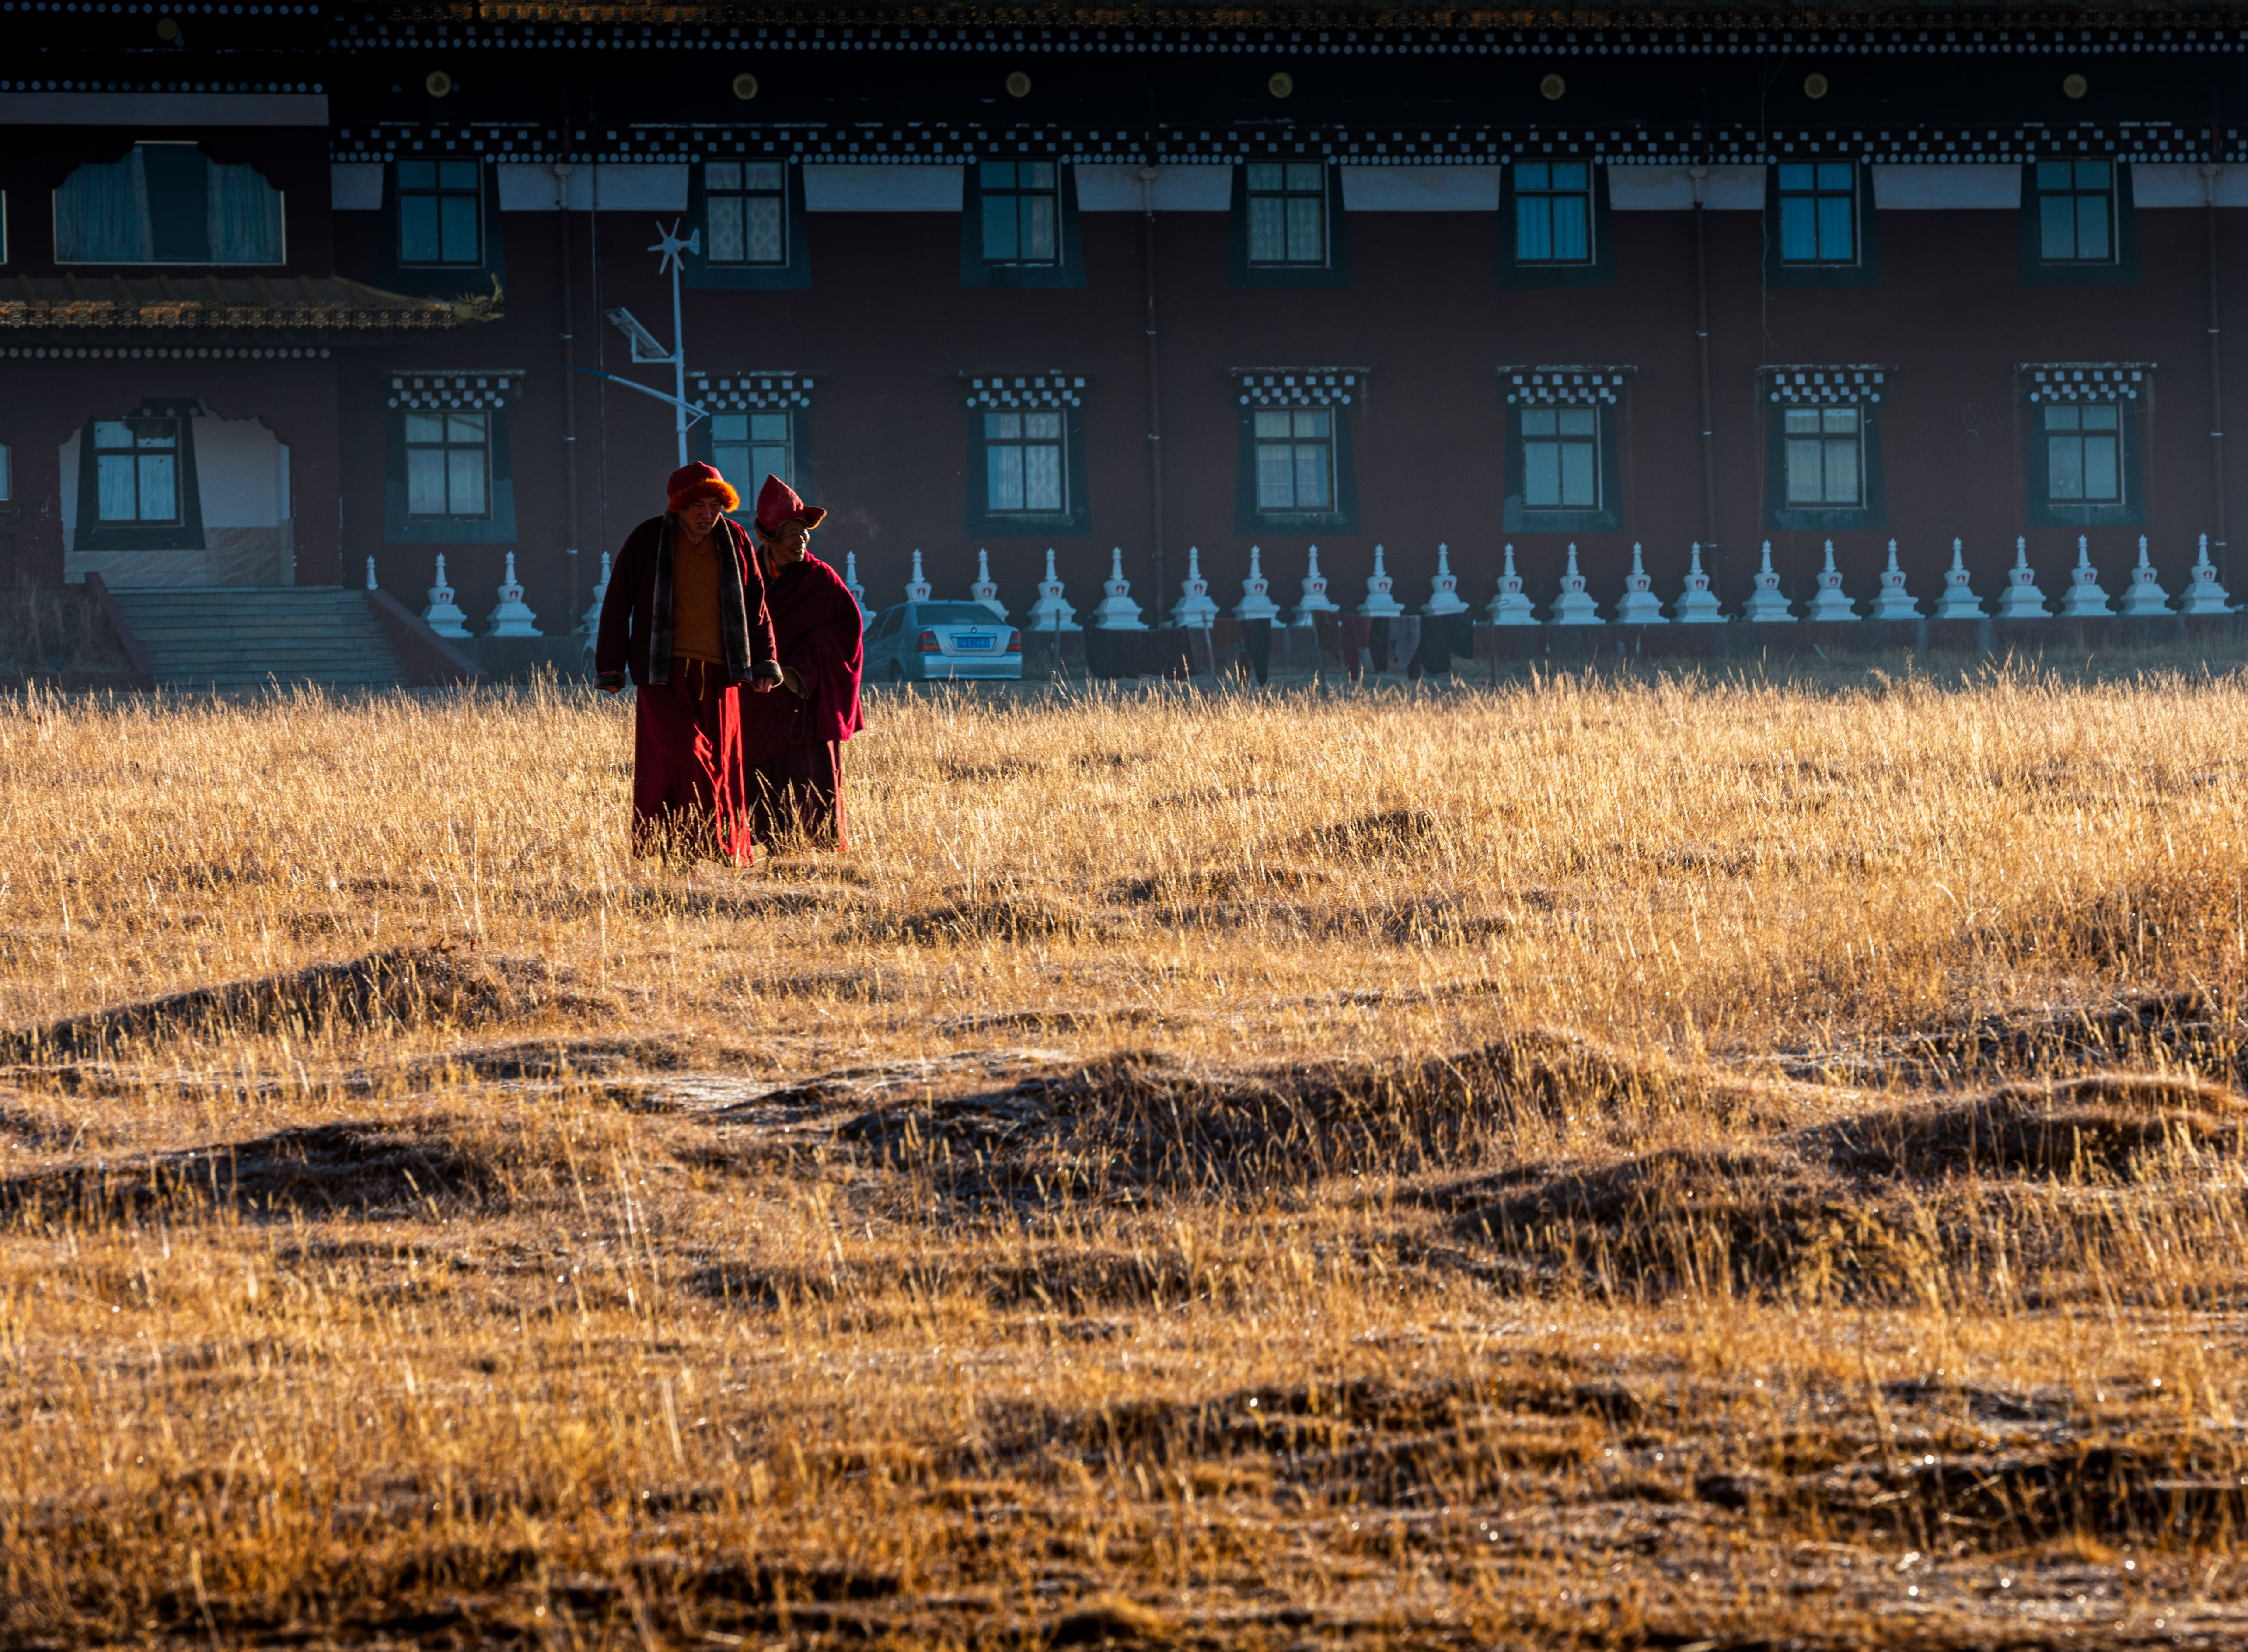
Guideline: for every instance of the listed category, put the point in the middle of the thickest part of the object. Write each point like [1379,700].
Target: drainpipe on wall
[2209,175]
[1700,176]
[562,172]
[1154,396]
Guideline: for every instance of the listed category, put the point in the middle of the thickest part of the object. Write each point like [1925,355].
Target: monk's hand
[610,682]
[764,677]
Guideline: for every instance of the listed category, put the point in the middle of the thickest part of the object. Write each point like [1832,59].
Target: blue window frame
[745,213]
[2076,211]
[1022,212]
[1553,212]
[440,212]
[1818,212]
[1287,214]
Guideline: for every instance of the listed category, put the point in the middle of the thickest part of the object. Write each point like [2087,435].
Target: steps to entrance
[247,637]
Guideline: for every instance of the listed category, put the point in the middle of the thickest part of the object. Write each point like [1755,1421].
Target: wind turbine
[647,350]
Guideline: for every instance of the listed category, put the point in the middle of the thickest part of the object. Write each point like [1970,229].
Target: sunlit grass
[1629,1160]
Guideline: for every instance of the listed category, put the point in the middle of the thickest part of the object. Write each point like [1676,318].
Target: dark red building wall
[887,330]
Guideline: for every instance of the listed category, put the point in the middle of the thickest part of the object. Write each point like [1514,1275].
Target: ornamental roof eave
[182,307]
[1359,14]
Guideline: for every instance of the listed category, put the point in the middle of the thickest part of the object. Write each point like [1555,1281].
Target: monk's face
[794,540]
[700,517]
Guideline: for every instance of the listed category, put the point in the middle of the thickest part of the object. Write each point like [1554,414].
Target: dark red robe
[792,744]
[689,792]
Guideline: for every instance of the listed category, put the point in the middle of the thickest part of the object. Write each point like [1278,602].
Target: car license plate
[971,642]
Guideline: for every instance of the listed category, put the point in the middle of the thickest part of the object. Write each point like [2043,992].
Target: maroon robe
[792,744]
[689,792]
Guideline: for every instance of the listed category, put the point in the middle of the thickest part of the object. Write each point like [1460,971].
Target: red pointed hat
[693,481]
[777,505]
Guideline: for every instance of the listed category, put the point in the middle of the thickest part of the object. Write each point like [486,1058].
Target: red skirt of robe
[689,790]
[794,744]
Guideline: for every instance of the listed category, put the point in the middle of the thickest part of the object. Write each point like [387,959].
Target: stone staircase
[236,637]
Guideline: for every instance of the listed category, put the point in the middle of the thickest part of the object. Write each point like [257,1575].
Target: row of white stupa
[1574,604]
[1696,603]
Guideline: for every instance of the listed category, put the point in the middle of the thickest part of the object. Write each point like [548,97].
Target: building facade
[287,288]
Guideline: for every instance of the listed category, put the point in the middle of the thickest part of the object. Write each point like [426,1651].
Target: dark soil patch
[2096,1124]
[317,1170]
[411,987]
[1135,1123]
[1373,837]
[1002,914]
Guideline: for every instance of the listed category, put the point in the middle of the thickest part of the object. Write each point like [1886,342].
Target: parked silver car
[941,642]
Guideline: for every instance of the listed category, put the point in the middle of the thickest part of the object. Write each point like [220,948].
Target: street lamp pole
[649,352]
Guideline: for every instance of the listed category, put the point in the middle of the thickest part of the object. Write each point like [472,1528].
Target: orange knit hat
[693,481]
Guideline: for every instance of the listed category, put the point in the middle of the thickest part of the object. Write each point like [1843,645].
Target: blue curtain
[101,215]
[245,217]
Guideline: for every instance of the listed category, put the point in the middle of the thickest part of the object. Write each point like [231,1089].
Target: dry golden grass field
[1623,1161]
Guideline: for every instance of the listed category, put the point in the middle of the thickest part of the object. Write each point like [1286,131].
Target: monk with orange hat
[685,616]
[793,741]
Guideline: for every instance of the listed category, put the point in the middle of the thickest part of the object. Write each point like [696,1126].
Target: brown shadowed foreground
[1622,1163]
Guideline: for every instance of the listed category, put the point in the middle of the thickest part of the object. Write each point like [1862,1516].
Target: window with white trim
[1553,212]
[749,447]
[744,212]
[1287,213]
[2084,453]
[1825,456]
[1561,458]
[1025,471]
[440,212]
[447,464]
[1021,211]
[137,470]
[1295,459]
[1818,212]
[2076,211]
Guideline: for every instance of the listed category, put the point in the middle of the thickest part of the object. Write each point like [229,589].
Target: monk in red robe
[793,741]
[685,616]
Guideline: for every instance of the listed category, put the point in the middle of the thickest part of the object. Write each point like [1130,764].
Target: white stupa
[1444,593]
[1257,593]
[446,620]
[1697,603]
[1640,605]
[2202,595]
[511,618]
[1315,594]
[2084,599]
[1766,605]
[1828,603]
[1117,610]
[986,589]
[1573,606]
[850,578]
[1052,612]
[1381,593]
[1510,606]
[917,587]
[1959,601]
[591,624]
[2144,597]
[2021,599]
[1194,609]
[1891,602]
